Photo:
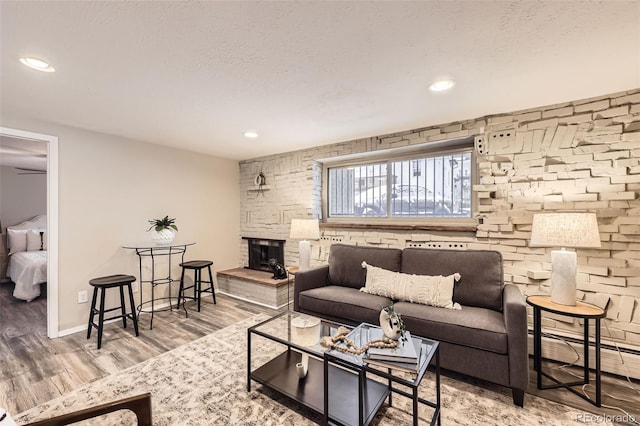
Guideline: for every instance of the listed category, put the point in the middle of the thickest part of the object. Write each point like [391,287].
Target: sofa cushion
[345,263]
[343,302]
[481,270]
[425,289]
[473,327]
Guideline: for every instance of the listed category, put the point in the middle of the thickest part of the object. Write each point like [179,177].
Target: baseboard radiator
[557,348]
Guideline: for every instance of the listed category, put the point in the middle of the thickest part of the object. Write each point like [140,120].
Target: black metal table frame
[362,375]
[537,355]
[289,273]
[361,372]
[154,252]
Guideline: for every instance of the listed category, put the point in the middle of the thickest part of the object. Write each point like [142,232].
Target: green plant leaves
[160,224]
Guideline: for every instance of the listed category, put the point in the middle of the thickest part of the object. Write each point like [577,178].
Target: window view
[434,186]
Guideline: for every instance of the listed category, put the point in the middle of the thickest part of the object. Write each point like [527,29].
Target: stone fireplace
[252,283]
[261,250]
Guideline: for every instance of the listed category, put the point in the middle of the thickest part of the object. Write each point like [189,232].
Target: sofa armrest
[306,280]
[515,320]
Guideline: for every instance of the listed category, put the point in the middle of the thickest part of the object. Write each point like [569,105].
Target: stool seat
[112,280]
[196,264]
[100,285]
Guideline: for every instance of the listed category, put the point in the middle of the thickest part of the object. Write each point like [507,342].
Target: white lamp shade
[565,230]
[305,229]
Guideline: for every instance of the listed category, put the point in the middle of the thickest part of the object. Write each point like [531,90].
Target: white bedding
[28,269]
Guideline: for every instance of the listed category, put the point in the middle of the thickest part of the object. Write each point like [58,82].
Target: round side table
[584,311]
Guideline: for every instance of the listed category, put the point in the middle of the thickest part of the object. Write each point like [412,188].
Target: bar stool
[197,266]
[102,284]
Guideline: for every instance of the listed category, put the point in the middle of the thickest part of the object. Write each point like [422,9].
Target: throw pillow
[16,240]
[424,289]
[36,240]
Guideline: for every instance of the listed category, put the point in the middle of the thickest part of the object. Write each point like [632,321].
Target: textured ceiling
[196,75]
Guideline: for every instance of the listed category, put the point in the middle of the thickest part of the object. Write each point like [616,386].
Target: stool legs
[101,318]
[101,311]
[213,292]
[181,289]
[122,308]
[134,317]
[181,295]
[197,286]
[92,312]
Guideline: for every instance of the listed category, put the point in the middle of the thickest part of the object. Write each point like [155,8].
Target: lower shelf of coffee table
[280,374]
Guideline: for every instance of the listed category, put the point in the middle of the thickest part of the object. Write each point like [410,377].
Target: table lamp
[305,229]
[564,230]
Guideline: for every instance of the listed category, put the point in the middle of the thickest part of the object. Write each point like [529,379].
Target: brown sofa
[486,339]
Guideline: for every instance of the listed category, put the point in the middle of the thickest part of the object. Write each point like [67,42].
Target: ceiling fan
[25,171]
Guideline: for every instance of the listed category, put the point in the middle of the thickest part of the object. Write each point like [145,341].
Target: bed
[27,244]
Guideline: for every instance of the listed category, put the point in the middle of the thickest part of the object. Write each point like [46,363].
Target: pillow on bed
[16,240]
[36,240]
[424,289]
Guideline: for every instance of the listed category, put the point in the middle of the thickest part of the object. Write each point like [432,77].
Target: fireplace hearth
[260,250]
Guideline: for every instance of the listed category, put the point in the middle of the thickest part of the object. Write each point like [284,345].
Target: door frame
[52,221]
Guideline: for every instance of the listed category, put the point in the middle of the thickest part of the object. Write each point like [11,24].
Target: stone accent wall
[575,156]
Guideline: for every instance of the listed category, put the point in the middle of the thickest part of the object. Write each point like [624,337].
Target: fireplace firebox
[261,250]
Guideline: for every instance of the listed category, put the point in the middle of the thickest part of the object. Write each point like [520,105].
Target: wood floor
[35,369]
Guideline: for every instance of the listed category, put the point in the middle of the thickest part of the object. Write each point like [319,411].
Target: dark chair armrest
[140,405]
[306,280]
[515,320]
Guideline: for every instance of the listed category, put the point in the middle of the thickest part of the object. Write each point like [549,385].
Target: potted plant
[164,230]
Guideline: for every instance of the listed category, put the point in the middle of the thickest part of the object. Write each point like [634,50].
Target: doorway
[52,219]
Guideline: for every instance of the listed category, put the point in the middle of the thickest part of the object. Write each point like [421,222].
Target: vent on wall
[507,135]
[480,145]
[438,245]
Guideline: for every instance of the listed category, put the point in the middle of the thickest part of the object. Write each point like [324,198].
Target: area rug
[204,383]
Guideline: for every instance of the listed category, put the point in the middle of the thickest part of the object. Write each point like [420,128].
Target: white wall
[109,187]
[22,196]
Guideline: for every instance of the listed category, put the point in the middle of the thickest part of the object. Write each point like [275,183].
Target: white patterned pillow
[36,240]
[424,289]
[16,240]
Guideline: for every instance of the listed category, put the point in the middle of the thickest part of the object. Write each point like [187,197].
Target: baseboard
[83,328]
[72,330]
[558,350]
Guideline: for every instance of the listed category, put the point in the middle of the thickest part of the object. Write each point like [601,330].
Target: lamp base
[304,248]
[563,277]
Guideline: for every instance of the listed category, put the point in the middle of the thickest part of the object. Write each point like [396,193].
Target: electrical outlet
[134,286]
[82,296]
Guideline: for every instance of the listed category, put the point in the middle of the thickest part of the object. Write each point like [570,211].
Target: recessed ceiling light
[37,64]
[441,85]
[251,134]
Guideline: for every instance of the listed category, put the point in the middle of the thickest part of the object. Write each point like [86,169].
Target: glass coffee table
[338,385]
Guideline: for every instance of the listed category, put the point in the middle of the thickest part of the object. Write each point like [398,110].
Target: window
[436,185]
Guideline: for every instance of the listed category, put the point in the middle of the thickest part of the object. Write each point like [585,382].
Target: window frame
[393,155]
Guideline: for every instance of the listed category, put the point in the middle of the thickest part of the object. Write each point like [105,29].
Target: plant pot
[390,325]
[166,236]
